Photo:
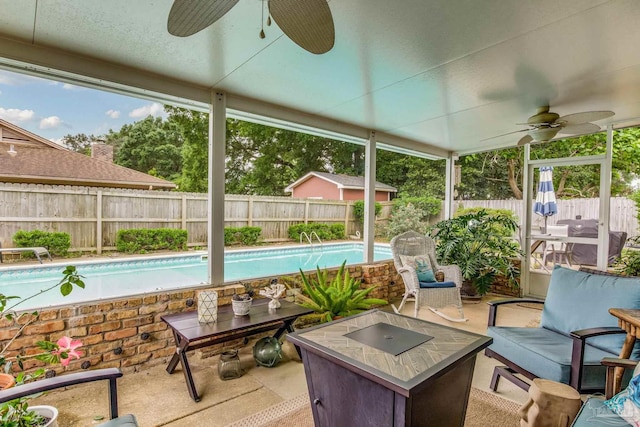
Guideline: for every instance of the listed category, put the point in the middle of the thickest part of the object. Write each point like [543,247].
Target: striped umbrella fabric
[546,198]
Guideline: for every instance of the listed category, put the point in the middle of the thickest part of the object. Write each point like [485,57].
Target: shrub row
[242,235]
[58,243]
[324,231]
[143,239]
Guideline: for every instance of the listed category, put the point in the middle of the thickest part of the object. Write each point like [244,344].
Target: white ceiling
[437,76]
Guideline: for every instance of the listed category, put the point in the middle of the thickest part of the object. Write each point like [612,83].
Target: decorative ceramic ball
[267,352]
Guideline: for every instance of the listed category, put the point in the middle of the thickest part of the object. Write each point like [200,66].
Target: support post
[605,203]
[525,226]
[99,222]
[449,186]
[369,197]
[217,141]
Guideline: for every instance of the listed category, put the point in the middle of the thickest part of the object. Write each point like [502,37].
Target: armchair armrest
[612,363]
[493,307]
[577,355]
[110,374]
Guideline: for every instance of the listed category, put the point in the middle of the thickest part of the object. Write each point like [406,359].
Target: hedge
[144,239]
[324,231]
[58,243]
[247,236]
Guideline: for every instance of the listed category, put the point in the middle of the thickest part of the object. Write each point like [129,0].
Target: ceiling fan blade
[308,23]
[585,117]
[580,128]
[525,140]
[187,17]
[504,134]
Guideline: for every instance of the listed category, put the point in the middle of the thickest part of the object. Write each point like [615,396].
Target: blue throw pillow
[627,403]
[425,273]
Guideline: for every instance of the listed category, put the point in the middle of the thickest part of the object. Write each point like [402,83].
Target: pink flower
[67,350]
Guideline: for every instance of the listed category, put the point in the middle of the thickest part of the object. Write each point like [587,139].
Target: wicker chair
[434,295]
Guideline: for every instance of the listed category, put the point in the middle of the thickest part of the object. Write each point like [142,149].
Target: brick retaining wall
[128,333]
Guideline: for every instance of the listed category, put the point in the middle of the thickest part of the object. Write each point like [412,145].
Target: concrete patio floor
[159,399]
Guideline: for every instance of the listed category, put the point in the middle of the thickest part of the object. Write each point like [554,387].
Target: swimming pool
[113,279]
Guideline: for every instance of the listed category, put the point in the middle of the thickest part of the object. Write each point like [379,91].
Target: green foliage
[324,231]
[412,176]
[629,263]
[497,228]
[340,296]
[57,243]
[429,206]
[405,218]
[358,210]
[16,413]
[470,242]
[140,240]
[247,236]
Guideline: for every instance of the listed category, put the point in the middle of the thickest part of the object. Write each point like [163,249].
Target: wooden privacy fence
[92,216]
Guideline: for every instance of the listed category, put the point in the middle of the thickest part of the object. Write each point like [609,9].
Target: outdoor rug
[484,410]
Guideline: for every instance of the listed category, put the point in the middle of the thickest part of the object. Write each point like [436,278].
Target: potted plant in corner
[340,297]
[481,244]
[17,412]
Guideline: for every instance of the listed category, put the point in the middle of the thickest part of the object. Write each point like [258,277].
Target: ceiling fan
[545,124]
[307,23]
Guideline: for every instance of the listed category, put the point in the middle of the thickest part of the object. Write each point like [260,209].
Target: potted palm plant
[339,297]
[481,244]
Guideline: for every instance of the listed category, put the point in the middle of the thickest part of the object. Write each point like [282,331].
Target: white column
[525,231]
[450,182]
[217,141]
[369,196]
[605,203]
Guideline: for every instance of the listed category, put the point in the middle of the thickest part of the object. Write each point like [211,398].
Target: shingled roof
[38,160]
[342,181]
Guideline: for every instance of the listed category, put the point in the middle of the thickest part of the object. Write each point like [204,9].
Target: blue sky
[53,109]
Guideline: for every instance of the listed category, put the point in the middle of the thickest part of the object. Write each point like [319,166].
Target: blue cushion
[594,413]
[547,354]
[579,300]
[437,284]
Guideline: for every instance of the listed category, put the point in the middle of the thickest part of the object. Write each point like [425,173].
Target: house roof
[438,77]
[44,162]
[341,181]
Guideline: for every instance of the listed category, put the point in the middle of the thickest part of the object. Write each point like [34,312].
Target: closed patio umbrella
[546,198]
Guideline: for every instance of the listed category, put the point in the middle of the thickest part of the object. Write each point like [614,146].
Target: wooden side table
[550,404]
[629,320]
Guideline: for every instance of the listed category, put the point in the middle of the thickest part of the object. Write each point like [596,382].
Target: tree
[151,145]
[80,143]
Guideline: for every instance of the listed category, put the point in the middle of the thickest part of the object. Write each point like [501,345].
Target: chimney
[102,152]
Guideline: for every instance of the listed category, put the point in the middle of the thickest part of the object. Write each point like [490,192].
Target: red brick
[105,327]
[92,339]
[48,315]
[149,299]
[122,333]
[85,320]
[44,328]
[132,302]
[155,308]
[73,333]
[153,327]
[143,320]
[127,352]
[122,314]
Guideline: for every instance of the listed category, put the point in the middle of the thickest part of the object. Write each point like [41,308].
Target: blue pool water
[112,279]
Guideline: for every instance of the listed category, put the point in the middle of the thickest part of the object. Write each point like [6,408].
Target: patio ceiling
[435,76]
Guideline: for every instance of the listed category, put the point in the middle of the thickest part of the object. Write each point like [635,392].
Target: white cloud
[154,109]
[69,86]
[15,79]
[16,115]
[114,114]
[51,122]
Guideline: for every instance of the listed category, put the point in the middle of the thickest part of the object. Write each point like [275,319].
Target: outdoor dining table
[189,334]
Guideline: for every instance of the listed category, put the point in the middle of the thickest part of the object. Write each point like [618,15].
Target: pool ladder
[309,238]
